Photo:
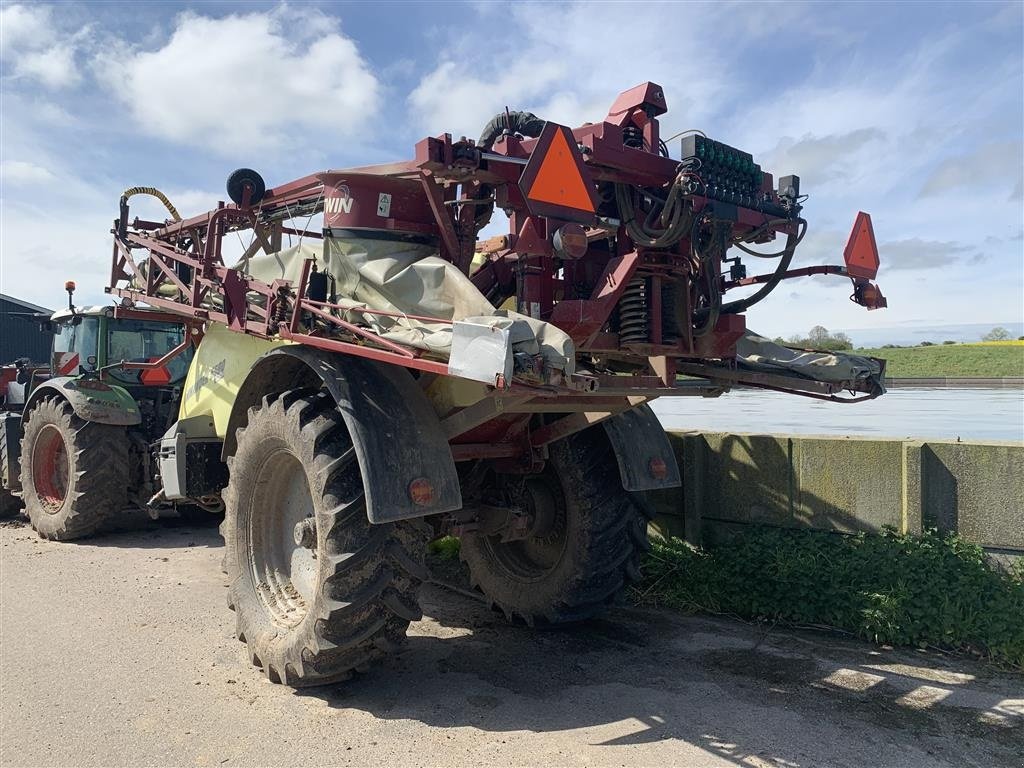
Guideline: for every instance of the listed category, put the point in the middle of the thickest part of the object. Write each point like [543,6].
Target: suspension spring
[633,137]
[669,329]
[633,313]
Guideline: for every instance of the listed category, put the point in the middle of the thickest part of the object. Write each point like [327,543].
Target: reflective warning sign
[861,253]
[556,182]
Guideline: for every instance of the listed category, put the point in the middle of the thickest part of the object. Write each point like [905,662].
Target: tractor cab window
[146,341]
[75,346]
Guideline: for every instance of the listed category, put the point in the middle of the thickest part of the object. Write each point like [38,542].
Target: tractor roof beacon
[360,387]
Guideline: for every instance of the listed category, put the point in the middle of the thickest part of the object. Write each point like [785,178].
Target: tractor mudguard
[646,459]
[91,400]
[395,432]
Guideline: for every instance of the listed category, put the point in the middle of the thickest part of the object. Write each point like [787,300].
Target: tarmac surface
[120,651]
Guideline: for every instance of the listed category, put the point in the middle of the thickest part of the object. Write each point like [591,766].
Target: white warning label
[384,204]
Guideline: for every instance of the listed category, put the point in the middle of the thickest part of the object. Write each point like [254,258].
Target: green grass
[987,360]
[931,590]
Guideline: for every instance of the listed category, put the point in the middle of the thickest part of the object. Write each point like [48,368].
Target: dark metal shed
[20,335]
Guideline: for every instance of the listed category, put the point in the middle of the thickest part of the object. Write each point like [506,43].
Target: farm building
[20,334]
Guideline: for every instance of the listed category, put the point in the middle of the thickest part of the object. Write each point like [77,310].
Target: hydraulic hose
[671,225]
[741,305]
[154,192]
[524,123]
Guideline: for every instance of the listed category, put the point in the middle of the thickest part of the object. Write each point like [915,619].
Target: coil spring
[281,308]
[669,328]
[633,137]
[633,313]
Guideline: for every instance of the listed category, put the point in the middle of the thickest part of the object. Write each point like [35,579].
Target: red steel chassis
[184,273]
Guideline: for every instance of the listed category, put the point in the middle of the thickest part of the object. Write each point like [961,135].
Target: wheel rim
[533,558]
[284,571]
[50,468]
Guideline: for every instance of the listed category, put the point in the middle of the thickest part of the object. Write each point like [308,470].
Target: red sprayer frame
[610,239]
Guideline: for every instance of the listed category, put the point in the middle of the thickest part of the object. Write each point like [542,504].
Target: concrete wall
[846,484]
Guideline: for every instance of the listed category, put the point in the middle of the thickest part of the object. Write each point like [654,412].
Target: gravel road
[120,651]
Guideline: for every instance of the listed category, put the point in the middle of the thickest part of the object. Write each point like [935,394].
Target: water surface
[968,414]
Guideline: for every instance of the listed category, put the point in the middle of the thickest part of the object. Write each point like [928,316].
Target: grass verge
[932,590]
[982,360]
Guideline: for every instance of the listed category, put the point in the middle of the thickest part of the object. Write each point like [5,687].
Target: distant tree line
[996,334]
[819,337]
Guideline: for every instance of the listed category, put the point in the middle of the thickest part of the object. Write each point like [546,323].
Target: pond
[947,414]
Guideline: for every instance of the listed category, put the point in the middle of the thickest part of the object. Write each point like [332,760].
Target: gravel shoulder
[120,651]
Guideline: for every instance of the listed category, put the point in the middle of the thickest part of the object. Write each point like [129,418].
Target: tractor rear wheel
[318,592]
[74,473]
[586,538]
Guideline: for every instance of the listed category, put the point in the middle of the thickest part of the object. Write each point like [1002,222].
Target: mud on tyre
[585,553]
[74,473]
[318,592]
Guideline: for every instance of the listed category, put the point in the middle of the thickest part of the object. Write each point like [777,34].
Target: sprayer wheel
[236,185]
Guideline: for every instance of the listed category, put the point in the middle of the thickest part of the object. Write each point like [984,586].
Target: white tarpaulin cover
[760,354]
[410,279]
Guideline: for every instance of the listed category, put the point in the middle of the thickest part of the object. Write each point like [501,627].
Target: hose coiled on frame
[154,192]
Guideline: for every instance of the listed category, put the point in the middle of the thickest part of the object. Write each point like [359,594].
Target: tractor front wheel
[318,592]
[74,473]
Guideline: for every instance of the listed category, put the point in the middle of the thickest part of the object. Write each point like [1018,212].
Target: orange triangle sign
[154,376]
[861,253]
[558,180]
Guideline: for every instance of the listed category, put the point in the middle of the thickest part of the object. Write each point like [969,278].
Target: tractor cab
[130,348]
[144,352]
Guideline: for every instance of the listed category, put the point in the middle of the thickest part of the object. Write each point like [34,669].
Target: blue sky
[911,111]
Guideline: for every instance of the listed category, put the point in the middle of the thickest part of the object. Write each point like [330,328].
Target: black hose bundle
[522,123]
[664,225]
[792,241]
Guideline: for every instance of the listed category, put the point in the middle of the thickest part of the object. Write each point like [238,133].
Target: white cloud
[245,82]
[916,253]
[998,163]
[824,158]
[24,27]
[36,49]
[547,61]
[21,172]
[54,67]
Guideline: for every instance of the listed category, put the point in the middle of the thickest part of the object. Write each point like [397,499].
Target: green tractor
[77,437]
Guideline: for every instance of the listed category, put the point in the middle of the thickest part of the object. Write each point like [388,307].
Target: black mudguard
[639,441]
[395,432]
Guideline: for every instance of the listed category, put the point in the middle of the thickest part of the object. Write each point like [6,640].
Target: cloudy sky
[910,111]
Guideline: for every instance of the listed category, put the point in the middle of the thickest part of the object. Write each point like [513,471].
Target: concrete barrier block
[848,484]
[976,490]
[912,507]
[748,478]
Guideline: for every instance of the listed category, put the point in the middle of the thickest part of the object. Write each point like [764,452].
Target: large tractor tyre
[586,540]
[74,473]
[319,593]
